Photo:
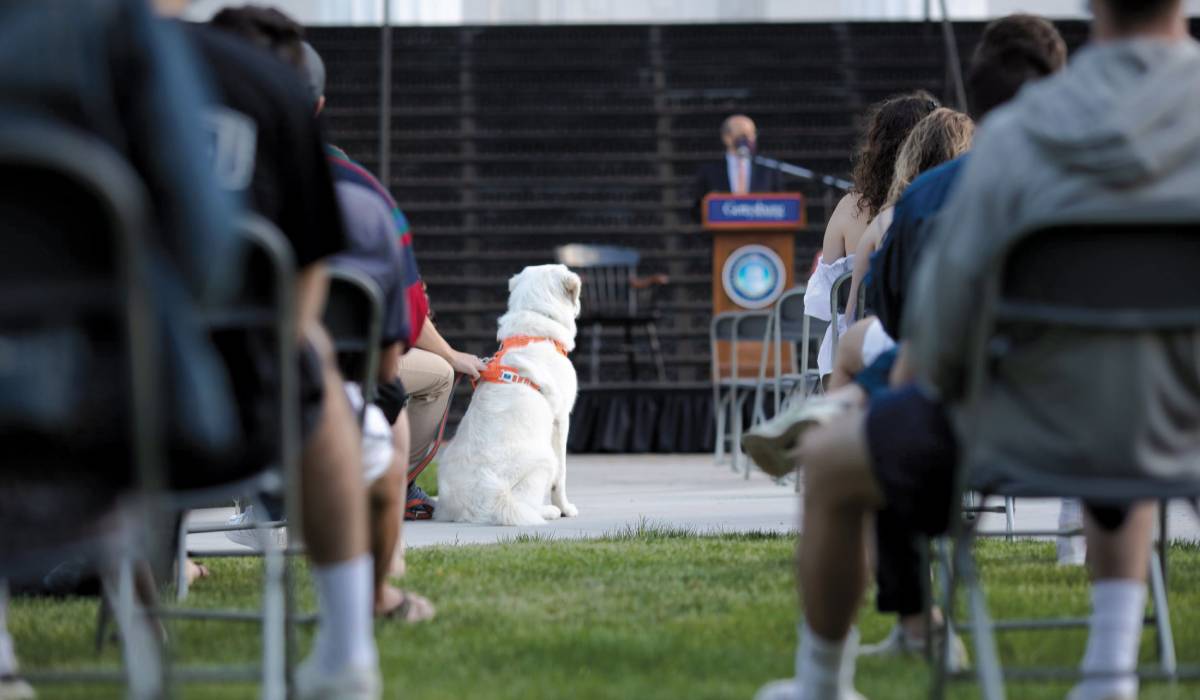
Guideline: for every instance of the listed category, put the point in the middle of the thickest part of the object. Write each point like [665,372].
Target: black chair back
[607,273]
[79,361]
[354,319]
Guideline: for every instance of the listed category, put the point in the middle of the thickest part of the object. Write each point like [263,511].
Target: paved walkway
[614,492]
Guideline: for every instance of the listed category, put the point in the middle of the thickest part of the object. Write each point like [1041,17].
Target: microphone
[743,151]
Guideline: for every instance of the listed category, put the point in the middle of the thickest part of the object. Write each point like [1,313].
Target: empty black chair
[610,297]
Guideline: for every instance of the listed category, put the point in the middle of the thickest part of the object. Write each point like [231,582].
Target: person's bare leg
[849,360]
[334,505]
[1119,560]
[387,499]
[840,494]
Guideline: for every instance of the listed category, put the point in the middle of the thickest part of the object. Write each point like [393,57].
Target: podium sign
[754,253]
[754,211]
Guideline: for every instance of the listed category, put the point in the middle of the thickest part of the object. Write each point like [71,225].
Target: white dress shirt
[733,163]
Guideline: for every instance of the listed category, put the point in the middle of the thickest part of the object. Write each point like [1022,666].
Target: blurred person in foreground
[109,70]
[1104,135]
[424,373]
[270,149]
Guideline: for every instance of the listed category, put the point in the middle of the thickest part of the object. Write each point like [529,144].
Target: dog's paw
[551,512]
[569,510]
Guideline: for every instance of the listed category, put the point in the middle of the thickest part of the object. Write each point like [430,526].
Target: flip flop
[411,610]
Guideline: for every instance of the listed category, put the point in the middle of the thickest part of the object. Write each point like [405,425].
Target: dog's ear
[572,287]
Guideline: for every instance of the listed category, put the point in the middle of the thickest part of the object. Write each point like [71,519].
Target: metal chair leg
[595,353]
[181,579]
[987,658]
[1162,617]
[739,457]
[1010,517]
[140,649]
[719,416]
[656,351]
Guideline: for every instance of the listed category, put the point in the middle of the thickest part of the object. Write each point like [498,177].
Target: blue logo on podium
[754,276]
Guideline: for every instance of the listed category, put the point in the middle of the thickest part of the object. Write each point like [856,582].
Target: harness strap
[497,372]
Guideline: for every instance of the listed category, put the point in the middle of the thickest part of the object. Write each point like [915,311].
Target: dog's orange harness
[497,372]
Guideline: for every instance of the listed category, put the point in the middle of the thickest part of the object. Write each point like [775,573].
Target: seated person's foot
[419,505]
[349,683]
[790,689]
[899,643]
[13,687]
[193,570]
[250,538]
[773,444]
[405,606]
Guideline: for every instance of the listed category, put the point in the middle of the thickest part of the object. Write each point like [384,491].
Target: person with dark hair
[424,373]
[998,71]
[269,147]
[888,125]
[1102,136]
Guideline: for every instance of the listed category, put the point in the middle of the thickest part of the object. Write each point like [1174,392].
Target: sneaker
[897,643]
[351,683]
[789,689]
[772,444]
[419,505]
[250,538]
[14,687]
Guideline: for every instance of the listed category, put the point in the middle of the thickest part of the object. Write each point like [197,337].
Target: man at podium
[737,173]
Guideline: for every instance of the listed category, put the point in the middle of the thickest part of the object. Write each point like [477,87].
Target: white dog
[510,450]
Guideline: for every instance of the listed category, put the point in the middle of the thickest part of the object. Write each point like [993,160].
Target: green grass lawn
[647,615]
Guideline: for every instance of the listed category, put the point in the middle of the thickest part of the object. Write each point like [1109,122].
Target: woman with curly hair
[888,125]
[941,137]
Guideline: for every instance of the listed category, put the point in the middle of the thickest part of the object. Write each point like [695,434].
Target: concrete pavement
[614,492]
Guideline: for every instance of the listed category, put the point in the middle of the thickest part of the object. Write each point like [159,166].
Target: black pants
[914,454]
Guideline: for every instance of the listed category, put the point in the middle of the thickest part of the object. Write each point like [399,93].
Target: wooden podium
[754,253]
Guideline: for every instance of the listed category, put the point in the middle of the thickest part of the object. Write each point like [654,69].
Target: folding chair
[730,393]
[1058,277]
[264,305]
[789,324]
[75,295]
[611,292]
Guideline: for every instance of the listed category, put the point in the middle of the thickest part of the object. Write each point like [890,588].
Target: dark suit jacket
[714,177]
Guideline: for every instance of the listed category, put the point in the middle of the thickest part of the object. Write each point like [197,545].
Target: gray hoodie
[1118,130]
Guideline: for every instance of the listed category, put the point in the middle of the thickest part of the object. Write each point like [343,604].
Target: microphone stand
[804,173]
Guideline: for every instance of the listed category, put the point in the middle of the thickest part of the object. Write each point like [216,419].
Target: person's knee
[834,473]
[385,491]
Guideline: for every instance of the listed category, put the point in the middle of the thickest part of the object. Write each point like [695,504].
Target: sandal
[411,609]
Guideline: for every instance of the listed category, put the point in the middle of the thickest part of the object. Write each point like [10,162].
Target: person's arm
[463,363]
[834,245]
[867,245]
[312,286]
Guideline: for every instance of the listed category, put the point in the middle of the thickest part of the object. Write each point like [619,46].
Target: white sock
[1115,633]
[346,635]
[825,669]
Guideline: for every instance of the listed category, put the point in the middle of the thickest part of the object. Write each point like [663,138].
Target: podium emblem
[754,276]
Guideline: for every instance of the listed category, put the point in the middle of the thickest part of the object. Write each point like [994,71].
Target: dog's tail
[508,509]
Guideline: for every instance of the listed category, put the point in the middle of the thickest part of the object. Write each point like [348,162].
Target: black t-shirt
[267,143]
